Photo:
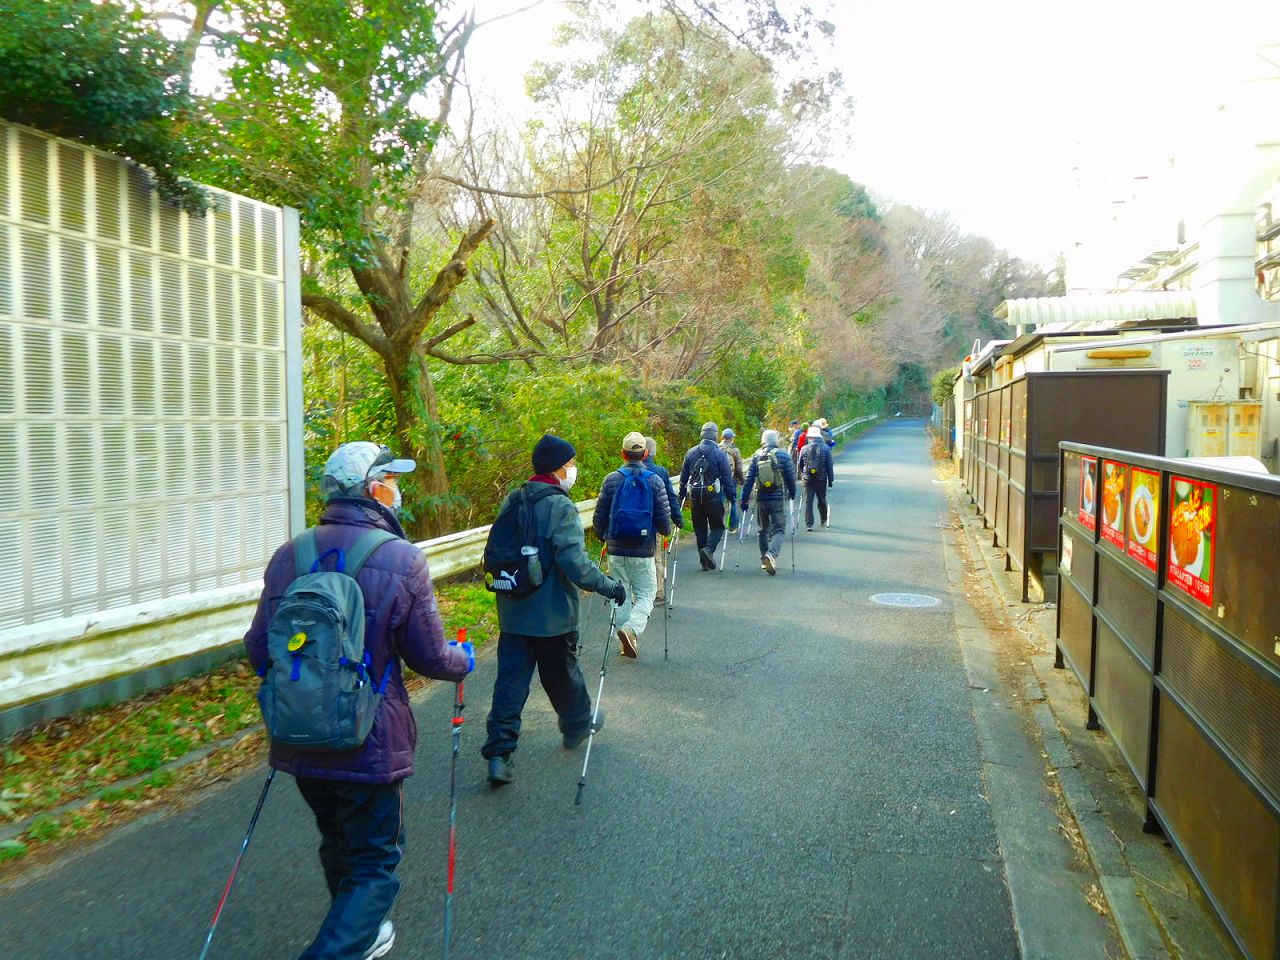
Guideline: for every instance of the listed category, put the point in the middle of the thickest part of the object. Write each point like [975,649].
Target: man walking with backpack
[818,472]
[735,461]
[798,436]
[772,476]
[350,748]
[538,621]
[631,512]
[706,480]
[677,517]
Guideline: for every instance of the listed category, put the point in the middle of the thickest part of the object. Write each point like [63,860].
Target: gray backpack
[767,470]
[317,692]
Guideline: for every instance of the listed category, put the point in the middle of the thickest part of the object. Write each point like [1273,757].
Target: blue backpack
[317,692]
[631,515]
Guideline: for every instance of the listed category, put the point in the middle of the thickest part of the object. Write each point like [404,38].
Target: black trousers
[707,512]
[556,659]
[812,490]
[361,843]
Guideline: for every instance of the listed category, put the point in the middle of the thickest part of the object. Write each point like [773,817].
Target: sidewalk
[1155,903]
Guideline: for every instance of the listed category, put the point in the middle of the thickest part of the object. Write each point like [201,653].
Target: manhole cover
[904,600]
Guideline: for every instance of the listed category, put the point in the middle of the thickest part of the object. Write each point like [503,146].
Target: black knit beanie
[551,453]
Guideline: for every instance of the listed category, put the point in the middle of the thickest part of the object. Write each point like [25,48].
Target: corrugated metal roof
[1098,310]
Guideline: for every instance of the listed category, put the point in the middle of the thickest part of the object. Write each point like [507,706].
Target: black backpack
[513,553]
[701,480]
[812,457]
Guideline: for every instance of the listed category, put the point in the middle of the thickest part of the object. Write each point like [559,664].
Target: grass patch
[12,850]
[468,604]
[44,829]
[90,753]
[71,758]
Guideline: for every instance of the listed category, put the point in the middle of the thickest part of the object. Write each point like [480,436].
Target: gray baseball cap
[352,464]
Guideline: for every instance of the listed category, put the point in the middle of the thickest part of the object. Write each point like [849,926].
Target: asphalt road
[800,779]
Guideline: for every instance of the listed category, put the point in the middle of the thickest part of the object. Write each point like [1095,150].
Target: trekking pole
[236,868]
[458,707]
[744,531]
[666,594]
[793,536]
[595,712]
[724,550]
[590,600]
[673,559]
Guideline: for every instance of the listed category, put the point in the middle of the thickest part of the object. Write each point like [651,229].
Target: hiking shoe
[628,638]
[501,770]
[708,559]
[770,564]
[575,739]
[383,943]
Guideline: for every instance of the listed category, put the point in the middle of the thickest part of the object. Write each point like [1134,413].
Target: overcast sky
[1023,119]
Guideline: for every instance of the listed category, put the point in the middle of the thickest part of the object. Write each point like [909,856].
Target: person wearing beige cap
[632,511]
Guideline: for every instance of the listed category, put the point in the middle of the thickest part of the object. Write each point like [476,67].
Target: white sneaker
[770,564]
[383,944]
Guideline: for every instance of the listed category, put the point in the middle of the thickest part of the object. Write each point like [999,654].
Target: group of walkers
[350,602]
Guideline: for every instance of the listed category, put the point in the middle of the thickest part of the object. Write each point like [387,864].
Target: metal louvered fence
[150,408]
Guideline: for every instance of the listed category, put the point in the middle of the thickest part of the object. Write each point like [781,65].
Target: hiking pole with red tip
[595,711]
[458,706]
[236,868]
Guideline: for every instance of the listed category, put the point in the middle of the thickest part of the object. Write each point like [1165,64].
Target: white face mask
[396,499]
[570,478]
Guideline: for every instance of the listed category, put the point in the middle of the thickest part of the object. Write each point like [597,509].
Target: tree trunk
[418,435]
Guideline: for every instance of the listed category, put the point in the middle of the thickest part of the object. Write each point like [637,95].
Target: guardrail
[55,668]
[836,431]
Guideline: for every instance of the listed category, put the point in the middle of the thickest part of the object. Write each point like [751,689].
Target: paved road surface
[801,779]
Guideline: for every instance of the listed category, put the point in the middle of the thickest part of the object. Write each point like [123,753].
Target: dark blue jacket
[402,622]
[777,491]
[721,469]
[677,518]
[604,506]
[817,454]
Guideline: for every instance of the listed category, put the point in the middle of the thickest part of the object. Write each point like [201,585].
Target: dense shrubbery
[491,416]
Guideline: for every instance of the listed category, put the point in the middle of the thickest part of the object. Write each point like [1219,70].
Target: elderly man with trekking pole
[771,476]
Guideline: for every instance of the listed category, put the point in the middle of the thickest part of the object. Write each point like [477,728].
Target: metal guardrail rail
[54,668]
[836,431]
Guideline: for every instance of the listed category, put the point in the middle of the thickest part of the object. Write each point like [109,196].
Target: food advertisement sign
[1088,491]
[1144,516]
[1192,531]
[1114,477]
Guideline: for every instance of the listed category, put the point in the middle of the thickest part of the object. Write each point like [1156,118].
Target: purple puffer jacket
[402,621]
